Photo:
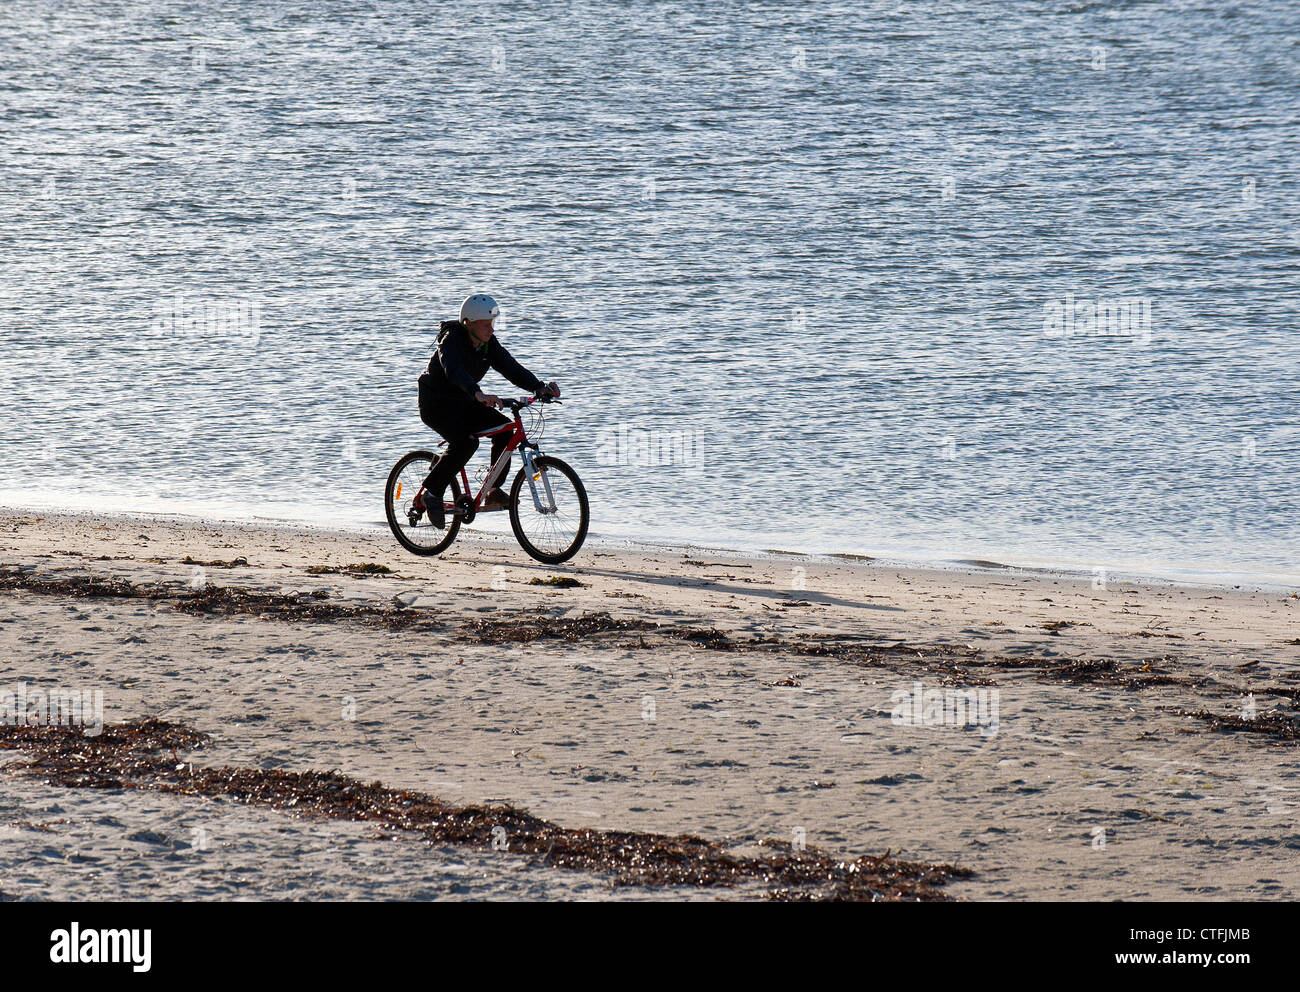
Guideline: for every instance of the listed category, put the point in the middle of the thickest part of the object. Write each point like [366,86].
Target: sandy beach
[1058,736]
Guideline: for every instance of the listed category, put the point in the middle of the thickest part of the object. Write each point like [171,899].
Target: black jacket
[457,366]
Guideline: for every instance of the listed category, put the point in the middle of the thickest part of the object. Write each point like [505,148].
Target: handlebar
[524,401]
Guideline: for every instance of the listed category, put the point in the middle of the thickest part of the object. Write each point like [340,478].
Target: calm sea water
[814,277]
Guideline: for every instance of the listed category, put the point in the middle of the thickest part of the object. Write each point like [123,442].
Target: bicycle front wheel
[553,532]
[411,528]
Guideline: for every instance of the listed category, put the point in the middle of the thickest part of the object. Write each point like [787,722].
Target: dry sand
[1095,783]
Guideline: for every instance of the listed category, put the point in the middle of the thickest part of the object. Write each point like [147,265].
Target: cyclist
[454,406]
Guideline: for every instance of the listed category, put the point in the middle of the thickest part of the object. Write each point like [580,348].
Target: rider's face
[481,329]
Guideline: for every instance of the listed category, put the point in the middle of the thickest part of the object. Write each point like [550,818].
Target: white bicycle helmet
[480,306]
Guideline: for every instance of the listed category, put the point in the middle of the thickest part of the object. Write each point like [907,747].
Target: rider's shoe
[434,508]
[496,500]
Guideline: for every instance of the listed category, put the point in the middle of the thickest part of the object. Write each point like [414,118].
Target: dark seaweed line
[523,628]
[143,754]
[1281,730]
[217,600]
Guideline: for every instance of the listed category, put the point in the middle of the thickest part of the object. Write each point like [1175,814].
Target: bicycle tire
[400,528]
[550,557]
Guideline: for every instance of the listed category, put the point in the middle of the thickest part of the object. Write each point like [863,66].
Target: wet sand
[1128,742]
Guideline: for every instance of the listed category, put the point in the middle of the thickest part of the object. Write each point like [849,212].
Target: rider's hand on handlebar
[487,399]
[551,389]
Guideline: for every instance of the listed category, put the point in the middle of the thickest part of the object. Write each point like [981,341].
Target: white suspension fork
[532,473]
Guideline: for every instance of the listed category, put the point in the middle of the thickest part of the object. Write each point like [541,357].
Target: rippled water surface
[824,241]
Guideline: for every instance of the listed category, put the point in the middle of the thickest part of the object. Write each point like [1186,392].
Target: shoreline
[1059,741]
[1165,574]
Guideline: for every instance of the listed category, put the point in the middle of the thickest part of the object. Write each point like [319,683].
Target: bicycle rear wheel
[411,527]
[554,534]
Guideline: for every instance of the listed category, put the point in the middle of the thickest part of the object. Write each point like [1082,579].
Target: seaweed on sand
[143,754]
[1282,729]
[559,582]
[944,659]
[356,568]
[219,600]
[525,627]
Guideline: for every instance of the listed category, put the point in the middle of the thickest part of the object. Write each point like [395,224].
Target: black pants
[458,418]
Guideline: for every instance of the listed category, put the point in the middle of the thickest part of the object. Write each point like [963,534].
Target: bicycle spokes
[550,510]
[409,523]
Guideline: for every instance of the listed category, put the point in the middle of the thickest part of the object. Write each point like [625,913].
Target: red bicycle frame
[517,439]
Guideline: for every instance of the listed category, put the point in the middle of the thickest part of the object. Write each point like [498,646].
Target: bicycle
[550,526]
